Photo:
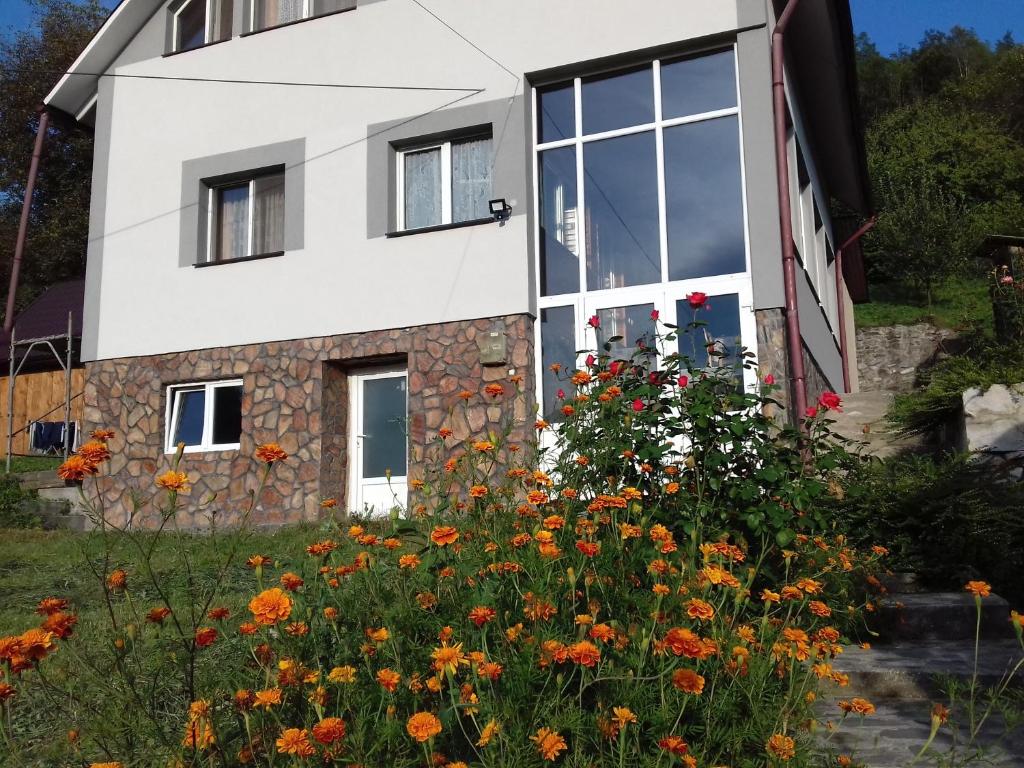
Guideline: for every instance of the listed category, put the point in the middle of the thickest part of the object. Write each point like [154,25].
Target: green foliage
[959,303]
[945,518]
[937,400]
[31,62]
[14,512]
[33,463]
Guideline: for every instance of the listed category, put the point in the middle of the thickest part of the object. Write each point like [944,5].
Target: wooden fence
[38,397]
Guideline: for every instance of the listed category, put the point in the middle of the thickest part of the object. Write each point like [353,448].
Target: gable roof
[47,316]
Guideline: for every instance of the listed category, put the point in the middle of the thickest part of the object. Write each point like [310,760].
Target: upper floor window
[246,217]
[198,22]
[273,13]
[444,182]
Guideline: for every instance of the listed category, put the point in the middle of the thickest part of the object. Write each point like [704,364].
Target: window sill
[196,48]
[193,449]
[296,21]
[257,257]
[440,227]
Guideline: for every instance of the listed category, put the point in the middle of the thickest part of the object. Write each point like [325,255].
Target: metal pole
[26,207]
[67,396]
[10,405]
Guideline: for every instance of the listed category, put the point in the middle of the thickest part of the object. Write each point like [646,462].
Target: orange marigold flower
[51,605]
[389,679]
[329,503]
[104,435]
[448,658]
[268,453]
[321,548]
[247,628]
[60,624]
[979,588]
[819,608]
[482,614]
[588,548]
[585,653]
[117,579]
[488,733]
[271,606]
[205,636]
[157,615]
[175,482]
[623,716]
[297,629]
[423,726]
[674,745]
[688,681]
[94,451]
[76,468]
[295,741]
[218,614]
[377,635]
[781,746]
[106,765]
[34,644]
[345,674]
[6,692]
[699,609]
[478,491]
[291,581]
[494,389]
[857,706]
[549,744]
[672,488]
[258,561]
[329,730]
[443,535]
[770,597]
[268,698]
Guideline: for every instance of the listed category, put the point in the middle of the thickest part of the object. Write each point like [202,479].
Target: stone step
[33,481]
[916,671]
[940,617]
[864,421]
[56,514]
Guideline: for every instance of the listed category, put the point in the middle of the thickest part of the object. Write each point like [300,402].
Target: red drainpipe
[26,207]
[840,282]
[792,311]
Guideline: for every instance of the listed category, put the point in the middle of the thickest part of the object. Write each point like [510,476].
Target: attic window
[273,13]
[199,22]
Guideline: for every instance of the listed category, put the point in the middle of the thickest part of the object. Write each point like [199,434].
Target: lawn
[32,463]
[959,304]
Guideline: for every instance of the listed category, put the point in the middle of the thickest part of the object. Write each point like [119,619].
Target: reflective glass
[472,161]
[385,445]
[556,113]
[227,415]
[559,230]
[423,188]
[621,183]
[704,199]
[698,84]
[618,101]
[633,324]
[721,333]
[191,412]
[232,230]
[191,25]
[558,345]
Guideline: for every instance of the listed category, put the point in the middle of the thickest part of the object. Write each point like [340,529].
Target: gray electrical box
[493,347]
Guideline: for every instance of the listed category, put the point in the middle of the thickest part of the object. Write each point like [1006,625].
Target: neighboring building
[291,237]
[40,393]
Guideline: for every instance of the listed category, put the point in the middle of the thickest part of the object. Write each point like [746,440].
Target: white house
[292,235]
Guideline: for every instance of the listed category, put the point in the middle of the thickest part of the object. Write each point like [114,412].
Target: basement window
[204,416]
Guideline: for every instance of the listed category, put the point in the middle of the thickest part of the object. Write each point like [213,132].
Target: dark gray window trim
[198,174]
[440,227]
[197,48]
[251,32]
[257,257]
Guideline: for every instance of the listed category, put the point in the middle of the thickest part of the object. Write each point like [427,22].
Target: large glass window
[639,204]
[204,417]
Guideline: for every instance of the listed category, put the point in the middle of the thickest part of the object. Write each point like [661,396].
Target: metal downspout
[26,208]
[793,339]
[840,300]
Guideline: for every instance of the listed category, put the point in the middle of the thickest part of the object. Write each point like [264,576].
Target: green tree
[31,62]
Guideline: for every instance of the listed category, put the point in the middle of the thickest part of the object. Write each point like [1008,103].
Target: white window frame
[307,13]
[207,24]
[663,294]
[212,214]
[173,406]
[446,179]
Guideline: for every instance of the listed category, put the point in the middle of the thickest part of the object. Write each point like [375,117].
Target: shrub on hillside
[660,589]
[15,509]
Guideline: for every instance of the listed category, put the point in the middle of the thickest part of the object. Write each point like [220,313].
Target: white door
[378,415]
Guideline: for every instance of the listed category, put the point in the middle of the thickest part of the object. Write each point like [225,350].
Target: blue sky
[890,23]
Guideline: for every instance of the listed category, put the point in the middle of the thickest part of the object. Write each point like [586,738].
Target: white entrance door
[378,414]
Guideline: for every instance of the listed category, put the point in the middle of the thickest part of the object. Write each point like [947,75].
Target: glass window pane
[422,188]
[559,230]
[268,214]
[633,324]
[232,230]
[471,179]
[704,199]
[227,415]
[384,433]
[270,13]
[558,345]
[188,428]
[618,101]
[721,332]
[223,13]
[321,7]
[621,183]
[698,84]
[556,113]
[191,25]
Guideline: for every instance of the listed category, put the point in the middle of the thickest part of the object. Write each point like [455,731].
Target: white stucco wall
[141,300]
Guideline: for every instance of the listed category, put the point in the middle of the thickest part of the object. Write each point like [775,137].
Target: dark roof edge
[845,18]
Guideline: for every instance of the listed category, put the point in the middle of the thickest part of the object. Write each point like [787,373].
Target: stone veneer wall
[773,358]
[295,393]
[890,357]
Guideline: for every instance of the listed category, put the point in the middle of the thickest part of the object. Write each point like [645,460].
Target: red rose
[683,381]
[590,361]
[615,367]
[811,411]
[638,405]
[655,314]
[560,394]
[830,401]
[594,322]
[697,299]
[769,380]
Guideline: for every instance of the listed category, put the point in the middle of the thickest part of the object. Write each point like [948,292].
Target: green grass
[31,463]
[960,304]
